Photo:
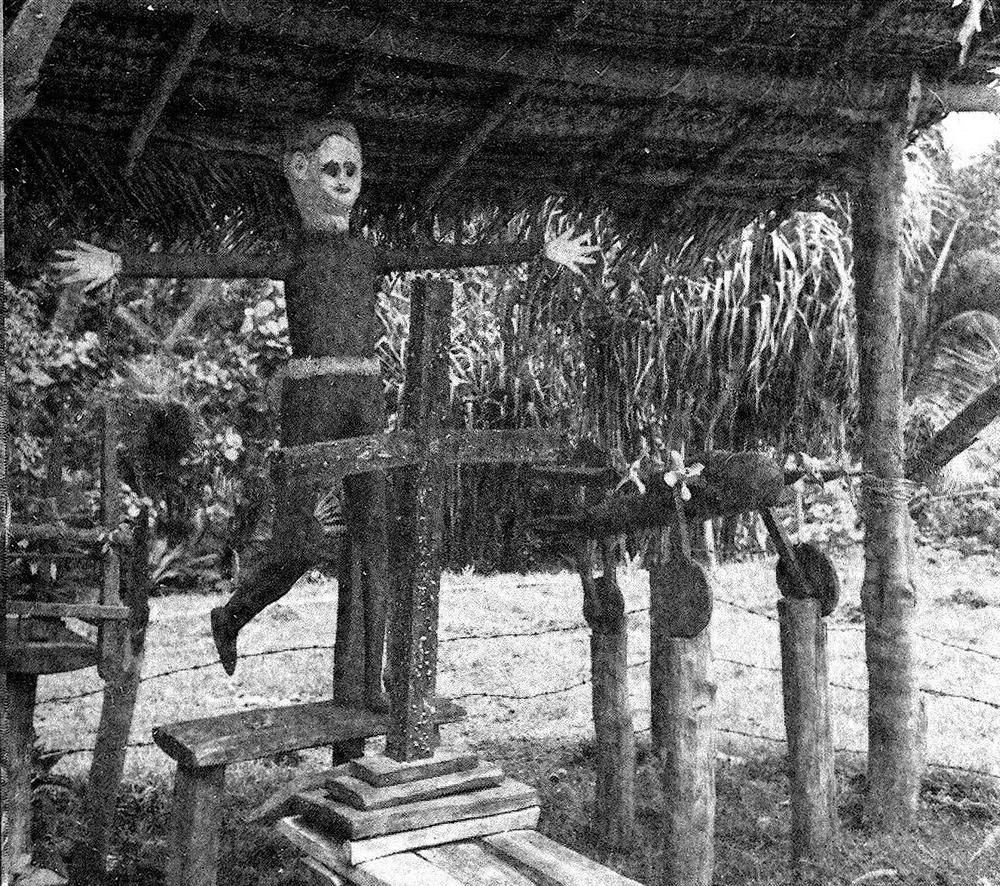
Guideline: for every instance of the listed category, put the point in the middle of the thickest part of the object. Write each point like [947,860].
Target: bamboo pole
[888,594]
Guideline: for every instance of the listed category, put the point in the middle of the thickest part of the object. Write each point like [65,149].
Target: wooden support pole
[120,696]
[25,46]
[681,707]
[170,78]
[888,594]
[111,634]
[416,585]
[614,733]
[805,690]
[17,741]
[195,823]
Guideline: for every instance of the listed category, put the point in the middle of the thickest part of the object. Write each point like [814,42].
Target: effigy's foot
[225,632]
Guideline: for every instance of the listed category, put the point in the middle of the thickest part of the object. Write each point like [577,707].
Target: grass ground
[545,740]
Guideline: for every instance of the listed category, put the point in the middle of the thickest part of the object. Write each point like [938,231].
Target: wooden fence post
[681,707]
[604,610]
[805,688]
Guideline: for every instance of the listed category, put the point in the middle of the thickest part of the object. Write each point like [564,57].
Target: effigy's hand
[87,264]
[570,251]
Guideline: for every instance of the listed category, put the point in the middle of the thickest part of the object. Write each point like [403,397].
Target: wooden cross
[426,448]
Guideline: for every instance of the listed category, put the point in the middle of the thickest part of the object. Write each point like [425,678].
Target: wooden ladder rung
[90,612]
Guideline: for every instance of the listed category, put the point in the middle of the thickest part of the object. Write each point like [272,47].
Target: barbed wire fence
[580,627]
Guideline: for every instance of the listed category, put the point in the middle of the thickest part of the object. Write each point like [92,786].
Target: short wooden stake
[614,732]
[196,820]
[805,688]
[18,738]
[682,704]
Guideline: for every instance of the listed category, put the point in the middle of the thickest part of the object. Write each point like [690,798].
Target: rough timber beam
[474,141]
[25,46]
[176,67]
[312,25]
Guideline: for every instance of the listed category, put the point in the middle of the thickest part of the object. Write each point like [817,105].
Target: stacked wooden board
[445,821]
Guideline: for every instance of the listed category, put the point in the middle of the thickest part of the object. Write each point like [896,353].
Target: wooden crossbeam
[336,459]
[312,25]
[25,47]
[92,612]
[170,78]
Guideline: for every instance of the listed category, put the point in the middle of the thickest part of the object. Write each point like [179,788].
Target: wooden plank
[555,862]
[382,772]
[357,824]
[318,873]
[400,869]
[63,651]
[249,735]
[92,612]
[358,793]
[472,864]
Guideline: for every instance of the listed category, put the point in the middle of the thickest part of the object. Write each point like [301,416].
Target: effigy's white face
[326,183]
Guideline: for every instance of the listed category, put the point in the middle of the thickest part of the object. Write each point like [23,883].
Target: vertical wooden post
[888,594]
[18,739]
[805,689]
[110,635]
[120,696]
[681,707]
[195,823]
[413,611]
[604,611]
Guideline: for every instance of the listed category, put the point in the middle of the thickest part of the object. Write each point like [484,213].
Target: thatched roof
[662,108]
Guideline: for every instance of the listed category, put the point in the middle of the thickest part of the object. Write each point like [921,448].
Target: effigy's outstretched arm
[93,266]
[567,250]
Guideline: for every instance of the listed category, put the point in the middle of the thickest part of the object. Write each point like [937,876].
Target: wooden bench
[204,748]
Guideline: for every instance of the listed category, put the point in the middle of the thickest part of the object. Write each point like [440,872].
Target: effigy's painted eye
[332,168]
[350,169]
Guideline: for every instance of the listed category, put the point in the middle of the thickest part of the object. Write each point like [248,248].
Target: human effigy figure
[333,388]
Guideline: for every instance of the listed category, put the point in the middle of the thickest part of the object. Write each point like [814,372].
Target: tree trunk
[956,436]
[888,593]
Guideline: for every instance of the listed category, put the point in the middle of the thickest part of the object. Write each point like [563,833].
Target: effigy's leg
[274,565]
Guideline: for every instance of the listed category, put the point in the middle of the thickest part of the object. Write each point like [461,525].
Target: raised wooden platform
[447,820]
[48,647]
